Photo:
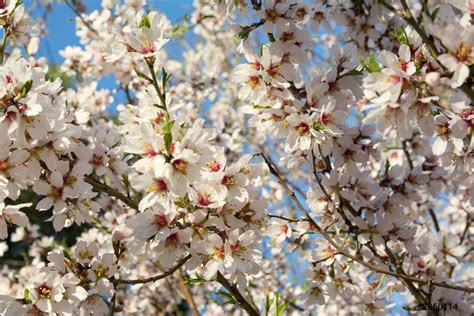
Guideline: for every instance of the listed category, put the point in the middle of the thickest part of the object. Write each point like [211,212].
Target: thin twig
[243,302]
[291,220]
[156,277]
[110,191]
[161,95]
[4,43]
[434,218]
[79,15]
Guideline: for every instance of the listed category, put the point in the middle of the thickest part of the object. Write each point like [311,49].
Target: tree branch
[156,277]
[79,15]
[291,220]
[101,187]
[346,254]
[186,293]
[434,218]
[243,302]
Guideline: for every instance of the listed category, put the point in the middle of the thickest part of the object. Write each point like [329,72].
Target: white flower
[84,252]
[460,43]
[154,222]
[94,305]
[145,39]
[279,230]
[331,118]
[449,132]
[10,214]
[214,248]
[208,196]
[47,292]
[6,8]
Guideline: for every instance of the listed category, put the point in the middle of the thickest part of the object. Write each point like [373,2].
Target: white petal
[439,146]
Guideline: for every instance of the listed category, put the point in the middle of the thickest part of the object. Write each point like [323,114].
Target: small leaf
[382,279]
[401,35]
[256,106]
[435,13]
[26,88]
[190,281]
[228,298]
[352,72]
[142,75]
[165,77]
[26,294]
[318,126]
[281,308]
[387,167]
[168,137]
[435,112]
[54,73]
[371,64]
[268,304]
[145,22]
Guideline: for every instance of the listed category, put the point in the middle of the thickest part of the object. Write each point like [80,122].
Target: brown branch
[186,293]
[101,187]
[291,220]
[156,277]
[434,218]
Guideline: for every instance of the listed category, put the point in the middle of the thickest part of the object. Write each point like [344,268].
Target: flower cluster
[275,156]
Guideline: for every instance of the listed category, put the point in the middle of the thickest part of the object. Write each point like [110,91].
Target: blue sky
[61,29]
[61,22]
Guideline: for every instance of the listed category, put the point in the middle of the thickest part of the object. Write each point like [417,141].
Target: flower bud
[432,78]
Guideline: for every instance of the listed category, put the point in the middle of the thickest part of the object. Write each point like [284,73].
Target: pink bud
[117,235]
[432,78]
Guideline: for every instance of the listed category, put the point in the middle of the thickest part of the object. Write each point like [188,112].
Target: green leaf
[408,308]
[54,73]
[401,35]
[26,88]
[26,294]
[435,112]
[318,126]
[353,72]
[180,28]
[17,4]
[190,281]
[435,13]
[387,167]
[256,106]
[228,298]
[271,38]
[168,137]
[145,22]
[371,64]
[165,77]
[142,75]
[268,304]
[281,308]
[382,279]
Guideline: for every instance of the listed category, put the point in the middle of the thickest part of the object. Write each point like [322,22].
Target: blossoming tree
[261,157]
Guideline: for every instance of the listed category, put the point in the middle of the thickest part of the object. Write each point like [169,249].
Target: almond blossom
[259,157]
